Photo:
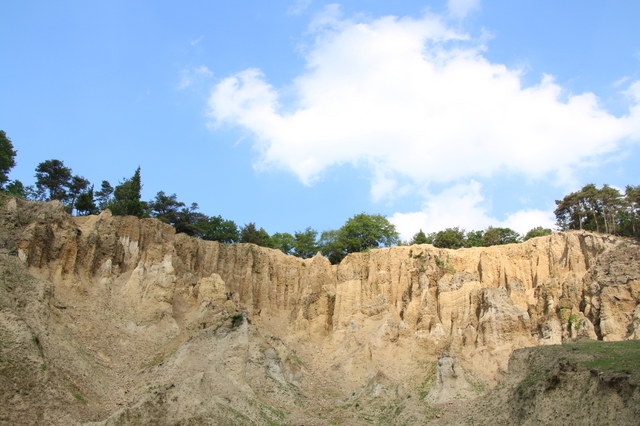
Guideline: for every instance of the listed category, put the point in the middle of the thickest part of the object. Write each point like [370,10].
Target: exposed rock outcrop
[581,383]
[136,292]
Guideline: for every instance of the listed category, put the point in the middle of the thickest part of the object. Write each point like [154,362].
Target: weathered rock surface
[580,383]
[134,298]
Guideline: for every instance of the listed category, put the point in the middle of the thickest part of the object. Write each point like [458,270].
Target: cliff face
[136,292]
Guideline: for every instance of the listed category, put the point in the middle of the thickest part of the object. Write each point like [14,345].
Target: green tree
[361,232]
[283,241]
[587,197]
[189,220]
[250,234]
[498,236]
[305,245]
[611,203]
[365,231]
[570,212]
[85,204]
[104,195]
[77,186]
[216,228]
[53,180]
[332,245]
[538,231]
[7,158]
[168,209]
[474,239]
[420,238]
[452,238]
[126,198]
[632,203]
[18,189]
[593,209]
[165,208]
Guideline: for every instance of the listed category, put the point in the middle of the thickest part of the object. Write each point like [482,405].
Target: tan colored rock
[451,382]
[385,311]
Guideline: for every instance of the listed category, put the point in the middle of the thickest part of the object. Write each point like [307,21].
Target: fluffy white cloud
[417,102]
[415,98]
[460,8]
[298,7]
[463,206]
[194,75]
[525,220]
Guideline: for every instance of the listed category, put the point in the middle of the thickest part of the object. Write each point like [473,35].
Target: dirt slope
[121,321]
[580,383]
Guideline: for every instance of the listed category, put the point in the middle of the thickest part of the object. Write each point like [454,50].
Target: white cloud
[620,82]
[525,220]
[460,8]
[464,206]
[414,98]
[416,102]
[328,19]
[460,205]
[298,7]
[194,75]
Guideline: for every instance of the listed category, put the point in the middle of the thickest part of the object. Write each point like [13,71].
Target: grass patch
[613,357]
[429,379]
[233,417]
[296,359]
[445,265]
[272,412]
[608,359]
[78,396]
[236,320]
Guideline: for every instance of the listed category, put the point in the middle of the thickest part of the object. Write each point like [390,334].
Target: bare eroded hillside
[119,320]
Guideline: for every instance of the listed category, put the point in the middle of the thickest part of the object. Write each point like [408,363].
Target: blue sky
[303,113]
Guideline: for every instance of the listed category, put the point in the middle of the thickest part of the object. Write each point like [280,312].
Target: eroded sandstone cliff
[392,323]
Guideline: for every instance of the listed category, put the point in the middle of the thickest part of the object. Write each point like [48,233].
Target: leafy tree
[85,203]
[17,189]
[632,198]
[7,157]
[452,238]
[420,238]
[104,195]
[474,239]
[538,231]
[266,238]
[593,209]
[498,236]
[283,241]
[509,236]
[165,208]
[610,201]
[587,197]
[332,245]
[305,245]
[168,209]
[216,228]
[53,180]
[126,198]
[359,233]
[571,212]
[365,231]
[250,234]
[77,186]
[188,220]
